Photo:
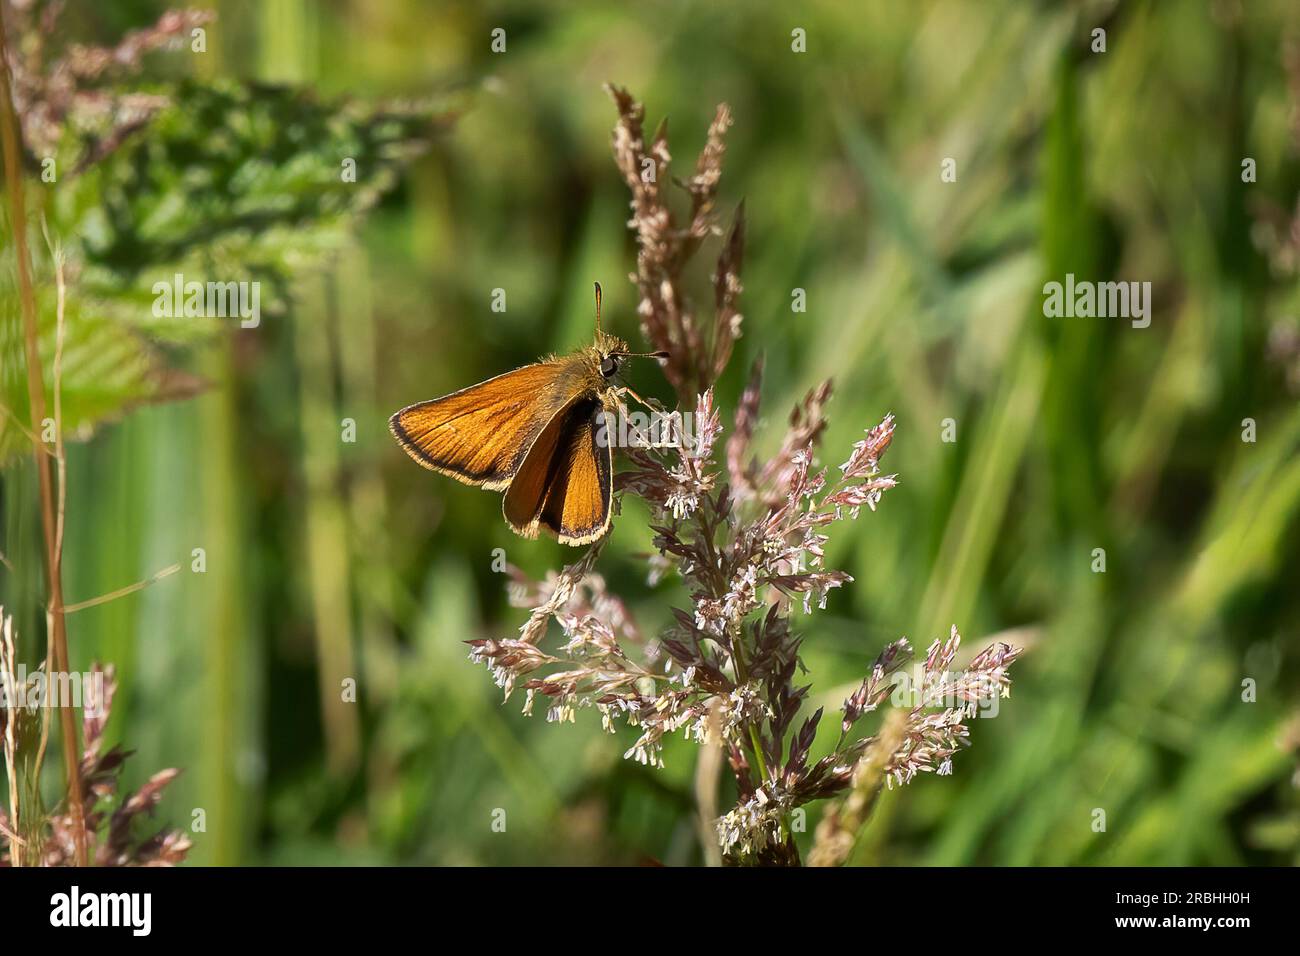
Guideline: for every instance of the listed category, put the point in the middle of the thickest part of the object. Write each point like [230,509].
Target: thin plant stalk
[10,744]
[58,637]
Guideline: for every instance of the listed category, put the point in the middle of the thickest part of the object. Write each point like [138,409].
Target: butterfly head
[612,353]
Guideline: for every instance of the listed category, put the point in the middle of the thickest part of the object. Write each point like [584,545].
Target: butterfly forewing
[565,483]
[481,434]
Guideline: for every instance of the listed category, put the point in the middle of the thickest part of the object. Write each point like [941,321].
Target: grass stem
[58,637]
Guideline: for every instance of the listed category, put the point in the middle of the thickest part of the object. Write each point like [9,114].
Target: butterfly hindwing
[565,483]
[481,434]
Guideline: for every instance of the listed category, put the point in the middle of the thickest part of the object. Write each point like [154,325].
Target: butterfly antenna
[597,285]
[653,355]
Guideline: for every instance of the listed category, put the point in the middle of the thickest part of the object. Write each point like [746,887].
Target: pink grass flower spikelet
[116,822]
[743,539]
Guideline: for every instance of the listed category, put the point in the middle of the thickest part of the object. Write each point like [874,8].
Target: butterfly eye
[608,366]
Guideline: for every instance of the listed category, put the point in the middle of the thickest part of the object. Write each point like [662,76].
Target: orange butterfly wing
[565,484]
[481,434]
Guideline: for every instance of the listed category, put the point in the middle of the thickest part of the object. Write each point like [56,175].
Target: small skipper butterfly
[535,434]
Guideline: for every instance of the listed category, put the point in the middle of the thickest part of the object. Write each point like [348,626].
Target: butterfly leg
[655,408]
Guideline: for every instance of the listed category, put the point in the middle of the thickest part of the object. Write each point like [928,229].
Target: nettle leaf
[230,183]
[245,178]
[107,366]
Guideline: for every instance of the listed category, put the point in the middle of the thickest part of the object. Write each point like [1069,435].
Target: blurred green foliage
[327,559]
